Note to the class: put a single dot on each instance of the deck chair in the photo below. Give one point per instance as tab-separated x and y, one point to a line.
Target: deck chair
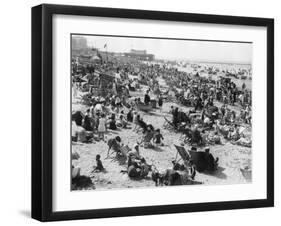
200	159
184	155
124	150
168	124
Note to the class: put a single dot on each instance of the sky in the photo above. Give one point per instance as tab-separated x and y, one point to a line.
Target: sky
178	49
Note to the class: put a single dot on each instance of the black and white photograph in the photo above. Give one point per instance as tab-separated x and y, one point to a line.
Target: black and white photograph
156	112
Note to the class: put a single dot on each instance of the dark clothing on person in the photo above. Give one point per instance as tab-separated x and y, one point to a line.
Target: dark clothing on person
211	162
134	171
160	102
142	124
146	99
112	143
175	117
158	137
196	136
78	118
130	116
99	165
112	125
87	123
192	171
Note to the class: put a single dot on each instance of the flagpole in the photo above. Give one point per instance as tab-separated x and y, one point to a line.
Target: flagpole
106	54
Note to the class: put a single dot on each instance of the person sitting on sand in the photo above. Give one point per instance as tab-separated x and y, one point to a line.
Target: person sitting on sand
212	162
81	135
121	122
196	135
134	170
158	137
176	117
216	138
87	121
135	152
234	133
112	122
99	167
130	115
140	125
137	167
205	137
78	118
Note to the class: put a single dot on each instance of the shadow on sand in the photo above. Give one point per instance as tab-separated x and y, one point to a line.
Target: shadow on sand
218	173
158	149
247	174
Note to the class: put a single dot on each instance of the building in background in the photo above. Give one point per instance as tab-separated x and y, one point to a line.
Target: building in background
79	43
140	55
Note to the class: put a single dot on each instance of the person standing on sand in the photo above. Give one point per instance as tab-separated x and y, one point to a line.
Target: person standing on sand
147	98
87	121
102	127
135	121
160	102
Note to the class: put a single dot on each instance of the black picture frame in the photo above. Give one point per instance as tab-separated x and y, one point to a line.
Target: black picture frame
42	111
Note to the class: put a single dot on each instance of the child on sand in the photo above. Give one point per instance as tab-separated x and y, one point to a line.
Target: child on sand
102	127
158	138
99	167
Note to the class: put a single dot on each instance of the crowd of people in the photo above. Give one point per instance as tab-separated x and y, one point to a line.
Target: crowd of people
211	115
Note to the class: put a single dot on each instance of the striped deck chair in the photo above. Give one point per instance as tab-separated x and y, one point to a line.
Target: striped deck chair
182	152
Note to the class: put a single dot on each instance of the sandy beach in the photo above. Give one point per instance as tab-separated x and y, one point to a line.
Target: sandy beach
233	159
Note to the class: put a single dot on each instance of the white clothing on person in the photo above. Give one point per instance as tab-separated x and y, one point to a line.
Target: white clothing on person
102	125
98	107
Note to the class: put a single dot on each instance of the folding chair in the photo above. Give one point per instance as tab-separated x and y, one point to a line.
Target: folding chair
184	155
168	124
